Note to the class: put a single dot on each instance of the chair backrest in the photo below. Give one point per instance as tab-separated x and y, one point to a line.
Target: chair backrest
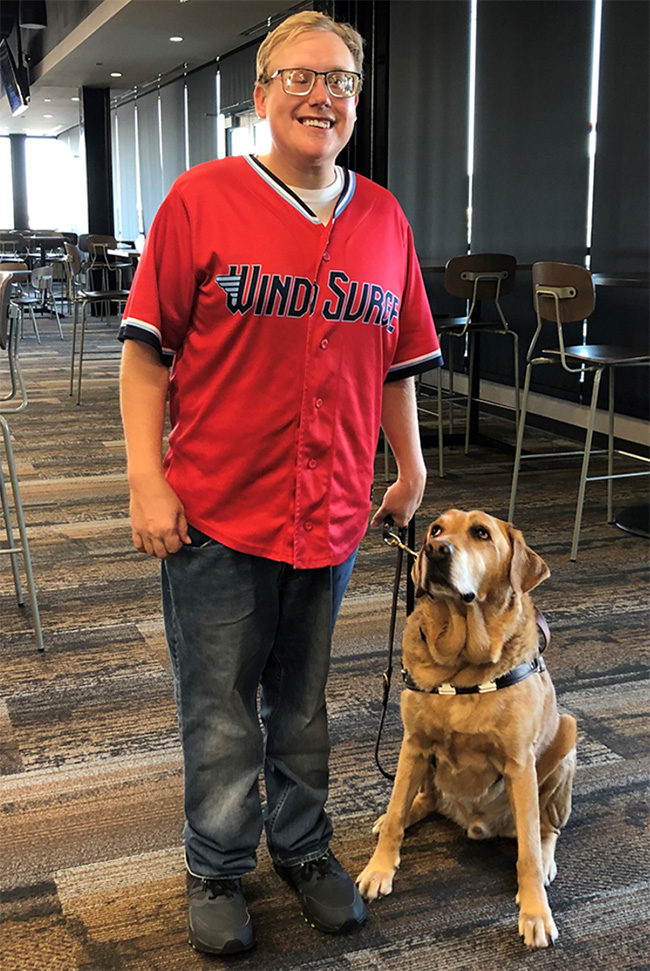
5	290
480	276
97	245
563	292
42	277
74	258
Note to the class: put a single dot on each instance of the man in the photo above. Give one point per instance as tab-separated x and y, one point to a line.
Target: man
287	294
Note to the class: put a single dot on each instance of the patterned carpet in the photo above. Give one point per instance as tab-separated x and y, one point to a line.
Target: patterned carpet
92	872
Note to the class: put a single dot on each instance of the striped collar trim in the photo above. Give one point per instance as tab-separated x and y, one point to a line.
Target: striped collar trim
349	185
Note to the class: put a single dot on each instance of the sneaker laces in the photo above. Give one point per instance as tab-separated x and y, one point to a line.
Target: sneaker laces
322	867
220	887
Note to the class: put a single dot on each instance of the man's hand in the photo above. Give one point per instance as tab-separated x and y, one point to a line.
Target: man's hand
158	523
401	501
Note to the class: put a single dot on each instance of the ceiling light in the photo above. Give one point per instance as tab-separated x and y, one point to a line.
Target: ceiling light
47	100
32	14
116	74
176	40
74	99
48	116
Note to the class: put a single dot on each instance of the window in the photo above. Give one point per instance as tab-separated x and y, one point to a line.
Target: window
56	182
6	196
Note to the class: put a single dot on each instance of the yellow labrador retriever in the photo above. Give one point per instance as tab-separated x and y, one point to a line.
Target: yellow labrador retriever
484	743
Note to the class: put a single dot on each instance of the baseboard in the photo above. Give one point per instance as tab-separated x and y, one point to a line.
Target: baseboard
564	418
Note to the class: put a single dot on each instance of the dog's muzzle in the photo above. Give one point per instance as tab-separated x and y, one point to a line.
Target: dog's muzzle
439	555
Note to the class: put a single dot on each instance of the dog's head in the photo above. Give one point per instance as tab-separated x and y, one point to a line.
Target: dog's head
471	555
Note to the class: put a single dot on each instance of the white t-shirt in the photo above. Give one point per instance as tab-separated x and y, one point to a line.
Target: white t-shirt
322	201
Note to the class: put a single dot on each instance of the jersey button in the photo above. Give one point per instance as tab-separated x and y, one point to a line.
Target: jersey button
312	463
309	526
324	344
319	402
326	256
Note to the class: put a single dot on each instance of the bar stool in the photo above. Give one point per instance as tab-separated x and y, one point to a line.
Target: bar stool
9	342
564	294
83	299
476	278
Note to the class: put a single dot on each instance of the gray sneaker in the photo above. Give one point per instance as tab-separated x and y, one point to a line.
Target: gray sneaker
219	922
330	899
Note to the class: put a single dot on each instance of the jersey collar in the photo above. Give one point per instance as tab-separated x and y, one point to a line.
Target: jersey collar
349	183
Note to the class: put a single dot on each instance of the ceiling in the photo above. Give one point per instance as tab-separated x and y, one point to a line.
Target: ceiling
131	37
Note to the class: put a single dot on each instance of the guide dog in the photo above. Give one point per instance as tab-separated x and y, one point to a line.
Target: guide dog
484	743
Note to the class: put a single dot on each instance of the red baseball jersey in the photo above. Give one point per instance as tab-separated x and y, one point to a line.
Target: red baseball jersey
280	333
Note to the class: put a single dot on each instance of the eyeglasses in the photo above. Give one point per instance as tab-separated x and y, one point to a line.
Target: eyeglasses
300	81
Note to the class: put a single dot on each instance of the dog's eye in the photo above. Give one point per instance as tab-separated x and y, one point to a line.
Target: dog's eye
481	532
436	530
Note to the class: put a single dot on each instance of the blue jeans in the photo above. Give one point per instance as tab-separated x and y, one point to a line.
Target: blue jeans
235	622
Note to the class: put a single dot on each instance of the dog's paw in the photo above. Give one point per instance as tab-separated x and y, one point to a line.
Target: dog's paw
550	872
537	930
375	882
378	824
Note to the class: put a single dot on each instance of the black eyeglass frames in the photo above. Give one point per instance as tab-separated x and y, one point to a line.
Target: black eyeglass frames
301	80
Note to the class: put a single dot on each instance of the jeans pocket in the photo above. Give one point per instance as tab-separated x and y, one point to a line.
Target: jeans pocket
200	540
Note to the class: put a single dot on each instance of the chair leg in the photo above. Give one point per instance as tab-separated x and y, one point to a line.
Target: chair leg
585	464
74	344
450	343
386	458
81	348
22	531
610	449
38	336
441	434
520	442
56	314
515	338
470	378
4	501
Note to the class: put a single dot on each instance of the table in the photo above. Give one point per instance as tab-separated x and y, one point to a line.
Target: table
632	519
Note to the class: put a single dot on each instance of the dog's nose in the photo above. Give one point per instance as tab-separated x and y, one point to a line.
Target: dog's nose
439	550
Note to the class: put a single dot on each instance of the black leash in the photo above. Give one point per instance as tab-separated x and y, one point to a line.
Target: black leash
391	539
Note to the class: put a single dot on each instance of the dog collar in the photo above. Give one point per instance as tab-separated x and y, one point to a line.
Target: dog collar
514	676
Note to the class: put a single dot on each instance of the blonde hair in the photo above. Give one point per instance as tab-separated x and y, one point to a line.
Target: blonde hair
300	23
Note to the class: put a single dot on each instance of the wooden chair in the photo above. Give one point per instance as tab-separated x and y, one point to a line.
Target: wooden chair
9	344
564	294
477	278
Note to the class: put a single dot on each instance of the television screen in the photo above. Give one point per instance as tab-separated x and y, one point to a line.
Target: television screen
14	80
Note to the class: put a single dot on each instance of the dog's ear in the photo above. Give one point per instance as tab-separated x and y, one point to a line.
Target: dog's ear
417	575
527	568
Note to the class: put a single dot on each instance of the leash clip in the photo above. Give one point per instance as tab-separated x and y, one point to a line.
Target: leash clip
392	539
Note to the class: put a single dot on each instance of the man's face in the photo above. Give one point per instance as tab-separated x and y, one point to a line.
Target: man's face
308	131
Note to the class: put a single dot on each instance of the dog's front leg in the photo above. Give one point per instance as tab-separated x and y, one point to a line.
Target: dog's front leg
536	924
377	877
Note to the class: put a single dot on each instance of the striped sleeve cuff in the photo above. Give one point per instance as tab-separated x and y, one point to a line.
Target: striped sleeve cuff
417	365
139	330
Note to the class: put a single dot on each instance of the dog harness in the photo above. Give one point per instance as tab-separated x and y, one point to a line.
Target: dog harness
514	676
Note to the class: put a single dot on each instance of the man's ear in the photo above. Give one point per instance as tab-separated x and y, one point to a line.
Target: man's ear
527	568
259	96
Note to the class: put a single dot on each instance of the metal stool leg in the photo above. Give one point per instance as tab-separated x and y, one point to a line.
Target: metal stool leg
610	449
450	342
24	543
441	434
515	338
36	331
74	344
520	442
585	464
84	304
4	500
470	378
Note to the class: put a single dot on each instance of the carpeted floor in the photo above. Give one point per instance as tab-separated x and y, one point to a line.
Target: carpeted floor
91	875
